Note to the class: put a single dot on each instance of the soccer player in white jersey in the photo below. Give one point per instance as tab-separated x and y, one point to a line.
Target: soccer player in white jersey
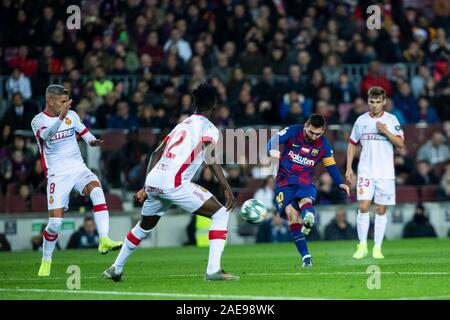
55	129
170	170
378	132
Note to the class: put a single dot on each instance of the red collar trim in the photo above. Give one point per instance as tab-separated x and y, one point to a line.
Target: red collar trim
372	116
48	114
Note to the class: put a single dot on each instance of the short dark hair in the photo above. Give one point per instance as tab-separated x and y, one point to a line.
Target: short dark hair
375	92
55	90
317	120
204	97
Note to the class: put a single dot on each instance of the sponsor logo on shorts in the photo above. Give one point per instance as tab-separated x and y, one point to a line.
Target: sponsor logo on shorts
51	200
361	191
149	189
199	195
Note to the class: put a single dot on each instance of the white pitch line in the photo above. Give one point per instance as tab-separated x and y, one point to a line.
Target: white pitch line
42	279
162	294
200	296
327	273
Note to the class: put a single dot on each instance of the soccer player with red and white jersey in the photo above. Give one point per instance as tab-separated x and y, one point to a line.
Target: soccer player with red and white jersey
378	132
169	173
55	129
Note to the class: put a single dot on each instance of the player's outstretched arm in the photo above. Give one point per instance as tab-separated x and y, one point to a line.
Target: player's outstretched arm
140	196
216	168
273	145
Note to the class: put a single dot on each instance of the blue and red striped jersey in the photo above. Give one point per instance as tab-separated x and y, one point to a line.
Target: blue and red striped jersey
299	157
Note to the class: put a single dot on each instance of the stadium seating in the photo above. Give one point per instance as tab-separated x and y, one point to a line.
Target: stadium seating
407	194
39	203
428	193
114	202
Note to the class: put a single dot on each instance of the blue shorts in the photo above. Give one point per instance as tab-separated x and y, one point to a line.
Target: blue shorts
291	194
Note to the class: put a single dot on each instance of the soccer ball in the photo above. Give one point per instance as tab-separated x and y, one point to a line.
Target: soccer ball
253	211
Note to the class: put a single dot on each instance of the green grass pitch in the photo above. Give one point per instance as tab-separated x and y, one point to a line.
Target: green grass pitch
412	269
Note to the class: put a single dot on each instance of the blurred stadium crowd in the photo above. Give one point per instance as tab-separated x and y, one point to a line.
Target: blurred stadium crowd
132	64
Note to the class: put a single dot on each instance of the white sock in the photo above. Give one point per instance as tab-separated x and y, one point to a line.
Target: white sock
132	241
217	237
50	236
101	214
362	225
380	228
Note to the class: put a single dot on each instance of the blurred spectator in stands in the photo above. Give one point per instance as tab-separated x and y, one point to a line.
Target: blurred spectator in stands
4	243
133	151
419	81
446	130
265	194
426	112
250	117
20	143
235	177
86	237
375	78
122	119
442	100
25	194
223	119
251	60
327	193
102	86
27	65
414	54
389	107
18	82
339	228
406	103
435	150
183	47
222	70
419	226
344	90
359	108
295	114
37	240
312	87
404	165
106	110
331	69
209	182
423	175
444	186
273	229
440	47
37	178
83	112
153	49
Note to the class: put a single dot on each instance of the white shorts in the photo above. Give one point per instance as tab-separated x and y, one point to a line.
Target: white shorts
188	197
381	190
59	188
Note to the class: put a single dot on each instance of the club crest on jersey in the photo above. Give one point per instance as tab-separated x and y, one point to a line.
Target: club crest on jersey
68	121
314	152
300	160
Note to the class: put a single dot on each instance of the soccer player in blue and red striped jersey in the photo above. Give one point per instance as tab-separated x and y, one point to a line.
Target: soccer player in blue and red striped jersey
303	148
